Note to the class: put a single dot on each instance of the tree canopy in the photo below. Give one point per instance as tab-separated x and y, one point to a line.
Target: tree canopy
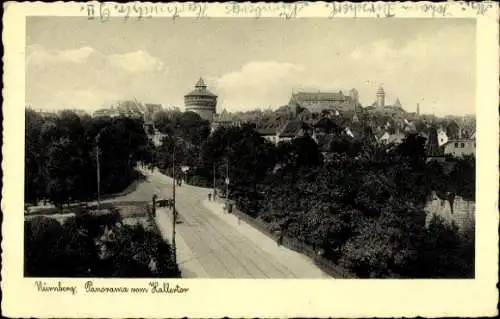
61	161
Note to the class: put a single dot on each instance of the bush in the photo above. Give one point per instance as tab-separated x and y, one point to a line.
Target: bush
445	253
43	248
95	244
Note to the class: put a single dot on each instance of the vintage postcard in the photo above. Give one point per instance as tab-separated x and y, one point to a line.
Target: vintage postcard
199	160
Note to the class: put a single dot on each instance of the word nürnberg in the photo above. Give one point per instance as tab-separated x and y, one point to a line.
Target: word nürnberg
44	287
155	287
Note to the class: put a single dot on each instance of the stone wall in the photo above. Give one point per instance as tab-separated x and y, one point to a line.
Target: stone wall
462	213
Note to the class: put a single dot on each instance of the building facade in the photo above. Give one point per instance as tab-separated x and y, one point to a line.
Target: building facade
225	119
380	106
316	102
380	97
459	148
201	101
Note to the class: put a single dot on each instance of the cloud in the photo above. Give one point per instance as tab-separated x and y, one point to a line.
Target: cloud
86	78
436	70
76	56
38	55
422	70
133	62
257	84
382	49
139	61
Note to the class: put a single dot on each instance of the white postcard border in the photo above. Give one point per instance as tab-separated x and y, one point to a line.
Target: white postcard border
258	298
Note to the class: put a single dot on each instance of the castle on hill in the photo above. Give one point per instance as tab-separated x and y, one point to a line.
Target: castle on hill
317	102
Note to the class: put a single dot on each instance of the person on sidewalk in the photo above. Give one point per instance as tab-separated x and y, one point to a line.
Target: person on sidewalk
209	197
280	238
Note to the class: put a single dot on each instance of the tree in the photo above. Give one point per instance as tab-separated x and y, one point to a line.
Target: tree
245	155
193	128
444	253
66	178
33	168
42	246
166	121
60	160
387	245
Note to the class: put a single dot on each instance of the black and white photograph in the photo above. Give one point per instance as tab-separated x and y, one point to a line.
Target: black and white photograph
262	160
244	148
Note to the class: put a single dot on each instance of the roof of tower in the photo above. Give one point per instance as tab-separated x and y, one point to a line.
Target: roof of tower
200	89
224	116
200	83
380	90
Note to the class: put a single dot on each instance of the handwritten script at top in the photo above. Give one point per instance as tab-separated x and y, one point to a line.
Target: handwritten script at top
138	11
387	9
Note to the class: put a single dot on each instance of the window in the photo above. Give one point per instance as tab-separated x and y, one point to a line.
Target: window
462	145
456	144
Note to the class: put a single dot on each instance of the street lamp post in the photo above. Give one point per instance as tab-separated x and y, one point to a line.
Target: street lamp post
174	212
98	170
227	185
214	178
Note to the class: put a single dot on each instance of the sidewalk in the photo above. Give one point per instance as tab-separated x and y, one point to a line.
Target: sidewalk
294	260
190	267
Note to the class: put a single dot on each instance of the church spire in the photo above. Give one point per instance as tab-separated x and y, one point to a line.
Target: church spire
355	118
397	103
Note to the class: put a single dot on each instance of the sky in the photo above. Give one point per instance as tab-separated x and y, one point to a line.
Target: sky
72	62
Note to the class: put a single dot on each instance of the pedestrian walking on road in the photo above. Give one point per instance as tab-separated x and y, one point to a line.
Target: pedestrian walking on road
280	238
209	197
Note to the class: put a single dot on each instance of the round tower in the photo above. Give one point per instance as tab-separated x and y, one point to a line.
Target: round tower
201	101
380	97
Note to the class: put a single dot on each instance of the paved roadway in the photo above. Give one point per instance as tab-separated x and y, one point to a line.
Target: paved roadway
212	244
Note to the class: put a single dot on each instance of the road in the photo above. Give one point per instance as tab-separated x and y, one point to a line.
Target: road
213	244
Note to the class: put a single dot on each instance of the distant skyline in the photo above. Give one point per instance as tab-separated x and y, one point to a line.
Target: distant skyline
249	63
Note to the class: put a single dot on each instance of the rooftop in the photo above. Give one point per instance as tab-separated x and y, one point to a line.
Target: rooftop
293	128
200	89
318	96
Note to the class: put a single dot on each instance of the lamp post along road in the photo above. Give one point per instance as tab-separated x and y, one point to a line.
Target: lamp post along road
227	185
98	170
214	178
174	212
